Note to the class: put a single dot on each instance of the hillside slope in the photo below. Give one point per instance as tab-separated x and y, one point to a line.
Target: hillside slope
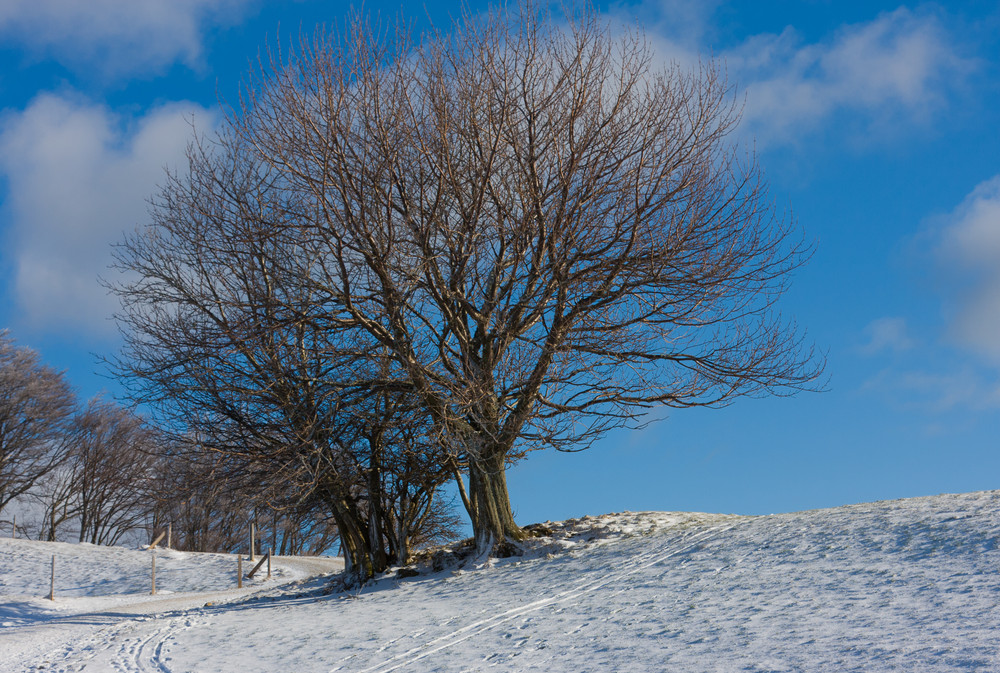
891	586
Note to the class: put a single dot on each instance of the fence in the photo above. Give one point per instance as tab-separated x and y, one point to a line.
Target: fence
266	558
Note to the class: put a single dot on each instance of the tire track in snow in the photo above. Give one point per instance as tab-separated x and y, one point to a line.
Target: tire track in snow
635	564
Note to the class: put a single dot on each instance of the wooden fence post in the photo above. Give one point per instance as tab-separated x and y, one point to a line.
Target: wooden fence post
252	531
153	591
52	584
239	571
13	527
267	558
157	540
274	529
170	535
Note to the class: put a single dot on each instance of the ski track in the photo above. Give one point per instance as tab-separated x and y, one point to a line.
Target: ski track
633	565
147	656
143	653
128	652
123	646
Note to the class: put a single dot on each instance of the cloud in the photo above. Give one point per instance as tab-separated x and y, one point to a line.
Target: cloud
117	37
897	67
676	30
886	334
937	392
686	23
969	249
77	177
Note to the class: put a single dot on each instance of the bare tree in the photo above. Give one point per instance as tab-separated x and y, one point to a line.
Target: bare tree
36	407
112	459
56	494
103	485
523	225
217	342
206	510
548	234
404	468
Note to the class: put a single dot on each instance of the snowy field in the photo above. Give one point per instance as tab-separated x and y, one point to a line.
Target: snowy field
909	585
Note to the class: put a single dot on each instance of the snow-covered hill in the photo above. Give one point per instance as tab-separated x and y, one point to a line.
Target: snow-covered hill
892	586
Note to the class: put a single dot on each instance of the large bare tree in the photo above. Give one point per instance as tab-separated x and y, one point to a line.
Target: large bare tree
523	223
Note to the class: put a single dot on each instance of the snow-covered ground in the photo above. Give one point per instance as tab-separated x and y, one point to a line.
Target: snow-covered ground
98	587
893	586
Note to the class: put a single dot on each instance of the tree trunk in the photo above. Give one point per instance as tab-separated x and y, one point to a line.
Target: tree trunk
359	558
376	547
354	542
492	518
403	530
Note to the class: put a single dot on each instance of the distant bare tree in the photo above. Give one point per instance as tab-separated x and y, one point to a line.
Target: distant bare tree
209	507
522	228
56	494
207	512
112	458
36	408
102	487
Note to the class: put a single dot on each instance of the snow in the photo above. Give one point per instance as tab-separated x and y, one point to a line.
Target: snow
891	586
98	587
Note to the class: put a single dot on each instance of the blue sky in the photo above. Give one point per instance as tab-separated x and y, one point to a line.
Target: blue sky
878	125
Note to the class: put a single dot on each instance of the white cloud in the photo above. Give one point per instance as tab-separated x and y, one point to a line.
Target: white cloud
970	250
886	334
115	37
76	180
676	30
899	66
687	24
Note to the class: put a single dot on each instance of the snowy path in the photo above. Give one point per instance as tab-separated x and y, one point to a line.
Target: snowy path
896	586
74	632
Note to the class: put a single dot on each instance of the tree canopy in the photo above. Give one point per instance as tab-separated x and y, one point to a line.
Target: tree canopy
519	233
